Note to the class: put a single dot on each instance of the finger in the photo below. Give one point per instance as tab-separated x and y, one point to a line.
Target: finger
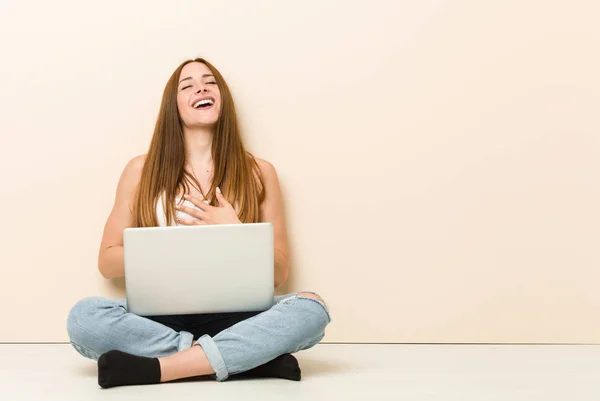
191	211
199	203
190	222
221	199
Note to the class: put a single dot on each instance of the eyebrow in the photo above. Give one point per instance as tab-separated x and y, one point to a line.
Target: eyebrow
203	76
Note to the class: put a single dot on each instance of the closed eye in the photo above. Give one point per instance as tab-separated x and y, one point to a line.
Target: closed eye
185	87
211	83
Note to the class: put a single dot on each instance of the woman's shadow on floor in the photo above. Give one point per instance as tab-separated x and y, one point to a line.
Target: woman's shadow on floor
89	370
312	366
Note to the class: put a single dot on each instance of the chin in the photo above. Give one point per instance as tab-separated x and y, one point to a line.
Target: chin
209	123
202	124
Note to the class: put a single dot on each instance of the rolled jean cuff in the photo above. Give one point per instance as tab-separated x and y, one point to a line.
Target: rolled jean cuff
186	340
214	357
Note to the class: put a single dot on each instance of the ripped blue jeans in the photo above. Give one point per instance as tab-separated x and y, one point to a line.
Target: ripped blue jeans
295	322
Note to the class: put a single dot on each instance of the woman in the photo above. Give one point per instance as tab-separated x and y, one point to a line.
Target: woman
196	172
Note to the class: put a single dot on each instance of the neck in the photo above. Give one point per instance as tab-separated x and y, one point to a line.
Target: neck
198	145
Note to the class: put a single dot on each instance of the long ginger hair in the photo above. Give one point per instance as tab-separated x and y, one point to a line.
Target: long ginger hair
236	172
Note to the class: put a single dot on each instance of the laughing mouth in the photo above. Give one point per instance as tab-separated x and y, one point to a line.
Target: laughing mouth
203	103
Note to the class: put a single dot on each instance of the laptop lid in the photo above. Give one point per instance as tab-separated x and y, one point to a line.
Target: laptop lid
199	269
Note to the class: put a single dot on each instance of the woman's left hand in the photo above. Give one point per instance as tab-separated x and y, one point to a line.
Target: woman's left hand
222	214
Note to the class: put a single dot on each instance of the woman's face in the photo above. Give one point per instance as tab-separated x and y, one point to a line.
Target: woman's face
198	96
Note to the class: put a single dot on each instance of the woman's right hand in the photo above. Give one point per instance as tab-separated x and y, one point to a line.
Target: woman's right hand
205	214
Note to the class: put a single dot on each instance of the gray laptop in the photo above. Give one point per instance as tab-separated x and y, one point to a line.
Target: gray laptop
199	269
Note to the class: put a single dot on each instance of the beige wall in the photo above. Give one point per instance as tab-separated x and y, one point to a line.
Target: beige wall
439	158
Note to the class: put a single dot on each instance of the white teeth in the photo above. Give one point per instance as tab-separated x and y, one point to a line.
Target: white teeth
202	102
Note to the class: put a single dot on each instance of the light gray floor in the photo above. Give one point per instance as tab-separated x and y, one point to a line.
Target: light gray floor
335	372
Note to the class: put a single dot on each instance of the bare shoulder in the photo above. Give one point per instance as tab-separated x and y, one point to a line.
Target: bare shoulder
130	177
135	165
267	169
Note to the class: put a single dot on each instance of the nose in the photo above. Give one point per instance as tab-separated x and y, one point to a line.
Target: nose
202	88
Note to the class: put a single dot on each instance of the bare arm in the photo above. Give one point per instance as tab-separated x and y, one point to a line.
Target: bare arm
110	257
272	212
